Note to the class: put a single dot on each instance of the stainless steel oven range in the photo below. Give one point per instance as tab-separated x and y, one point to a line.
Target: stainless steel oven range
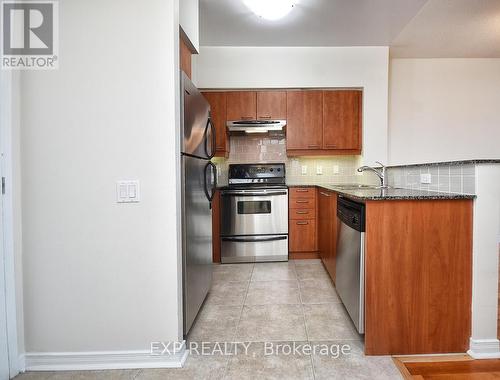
254	214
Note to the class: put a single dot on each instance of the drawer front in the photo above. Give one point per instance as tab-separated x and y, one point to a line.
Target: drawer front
302	214
302	203
303	236
302	192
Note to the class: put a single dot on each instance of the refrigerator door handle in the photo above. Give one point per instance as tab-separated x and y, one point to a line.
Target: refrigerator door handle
210	192
254	239
213	148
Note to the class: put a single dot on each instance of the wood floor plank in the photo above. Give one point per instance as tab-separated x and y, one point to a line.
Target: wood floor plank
456	367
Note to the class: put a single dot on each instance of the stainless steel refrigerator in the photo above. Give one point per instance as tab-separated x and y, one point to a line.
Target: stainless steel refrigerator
198	188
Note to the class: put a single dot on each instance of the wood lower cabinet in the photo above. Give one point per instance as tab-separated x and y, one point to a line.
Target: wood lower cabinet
302	226
217	101
241	105
327	229
418	282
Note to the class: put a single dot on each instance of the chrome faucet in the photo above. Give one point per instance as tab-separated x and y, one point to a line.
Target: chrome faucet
379	172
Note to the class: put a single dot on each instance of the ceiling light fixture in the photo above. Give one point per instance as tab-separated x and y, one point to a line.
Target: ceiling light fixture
270	9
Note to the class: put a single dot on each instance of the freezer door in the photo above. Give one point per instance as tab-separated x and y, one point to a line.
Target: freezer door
197	132
197	238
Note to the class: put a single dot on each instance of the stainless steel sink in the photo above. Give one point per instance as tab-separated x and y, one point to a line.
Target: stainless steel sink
359	187
356	187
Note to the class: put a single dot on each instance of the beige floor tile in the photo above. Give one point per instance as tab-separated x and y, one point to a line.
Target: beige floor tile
273	271
215	323
232	272
307	262
318	290
355	365
80	375
196	367
329	322
259	364
227	293
273	293
270	323
311	271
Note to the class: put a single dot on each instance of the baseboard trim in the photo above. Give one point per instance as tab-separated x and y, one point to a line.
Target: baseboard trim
484	348
100	360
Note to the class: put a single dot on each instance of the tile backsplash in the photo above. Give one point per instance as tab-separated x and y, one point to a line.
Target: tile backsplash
269	149
446	177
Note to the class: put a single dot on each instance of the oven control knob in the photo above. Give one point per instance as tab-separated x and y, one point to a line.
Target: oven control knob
279	169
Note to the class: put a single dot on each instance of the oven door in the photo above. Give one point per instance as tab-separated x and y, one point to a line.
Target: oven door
254	212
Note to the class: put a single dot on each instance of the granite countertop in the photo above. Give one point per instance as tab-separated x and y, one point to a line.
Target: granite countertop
370	194
451	163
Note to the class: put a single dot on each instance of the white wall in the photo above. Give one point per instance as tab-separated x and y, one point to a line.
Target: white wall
443	109
190	21
100	275
484	342
295	67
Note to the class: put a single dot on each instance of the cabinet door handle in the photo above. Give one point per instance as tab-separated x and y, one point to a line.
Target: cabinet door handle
264	117
302	223
302	190
325	194
302	212
300	201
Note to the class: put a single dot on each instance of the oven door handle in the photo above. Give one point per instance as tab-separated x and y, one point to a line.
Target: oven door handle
253	193
254	239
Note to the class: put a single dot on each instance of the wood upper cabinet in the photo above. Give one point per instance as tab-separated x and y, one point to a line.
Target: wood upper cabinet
241	105
342	119
271	105
217	101
327	229
304	120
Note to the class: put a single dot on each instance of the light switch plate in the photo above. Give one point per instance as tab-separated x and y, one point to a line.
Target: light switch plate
127	191
319	170
304	169
425	178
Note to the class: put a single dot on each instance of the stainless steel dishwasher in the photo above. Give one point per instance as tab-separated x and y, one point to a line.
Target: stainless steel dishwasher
350	263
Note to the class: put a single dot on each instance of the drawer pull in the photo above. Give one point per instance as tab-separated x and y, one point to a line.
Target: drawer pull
264	117
302	223
331	146
246	118
325	194
301	201
302	212
313	146
302	190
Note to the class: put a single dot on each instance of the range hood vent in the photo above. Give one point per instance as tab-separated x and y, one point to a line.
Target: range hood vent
256	126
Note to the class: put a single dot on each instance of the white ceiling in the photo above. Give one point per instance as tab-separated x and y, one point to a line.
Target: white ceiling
310	23
413	28
452	28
